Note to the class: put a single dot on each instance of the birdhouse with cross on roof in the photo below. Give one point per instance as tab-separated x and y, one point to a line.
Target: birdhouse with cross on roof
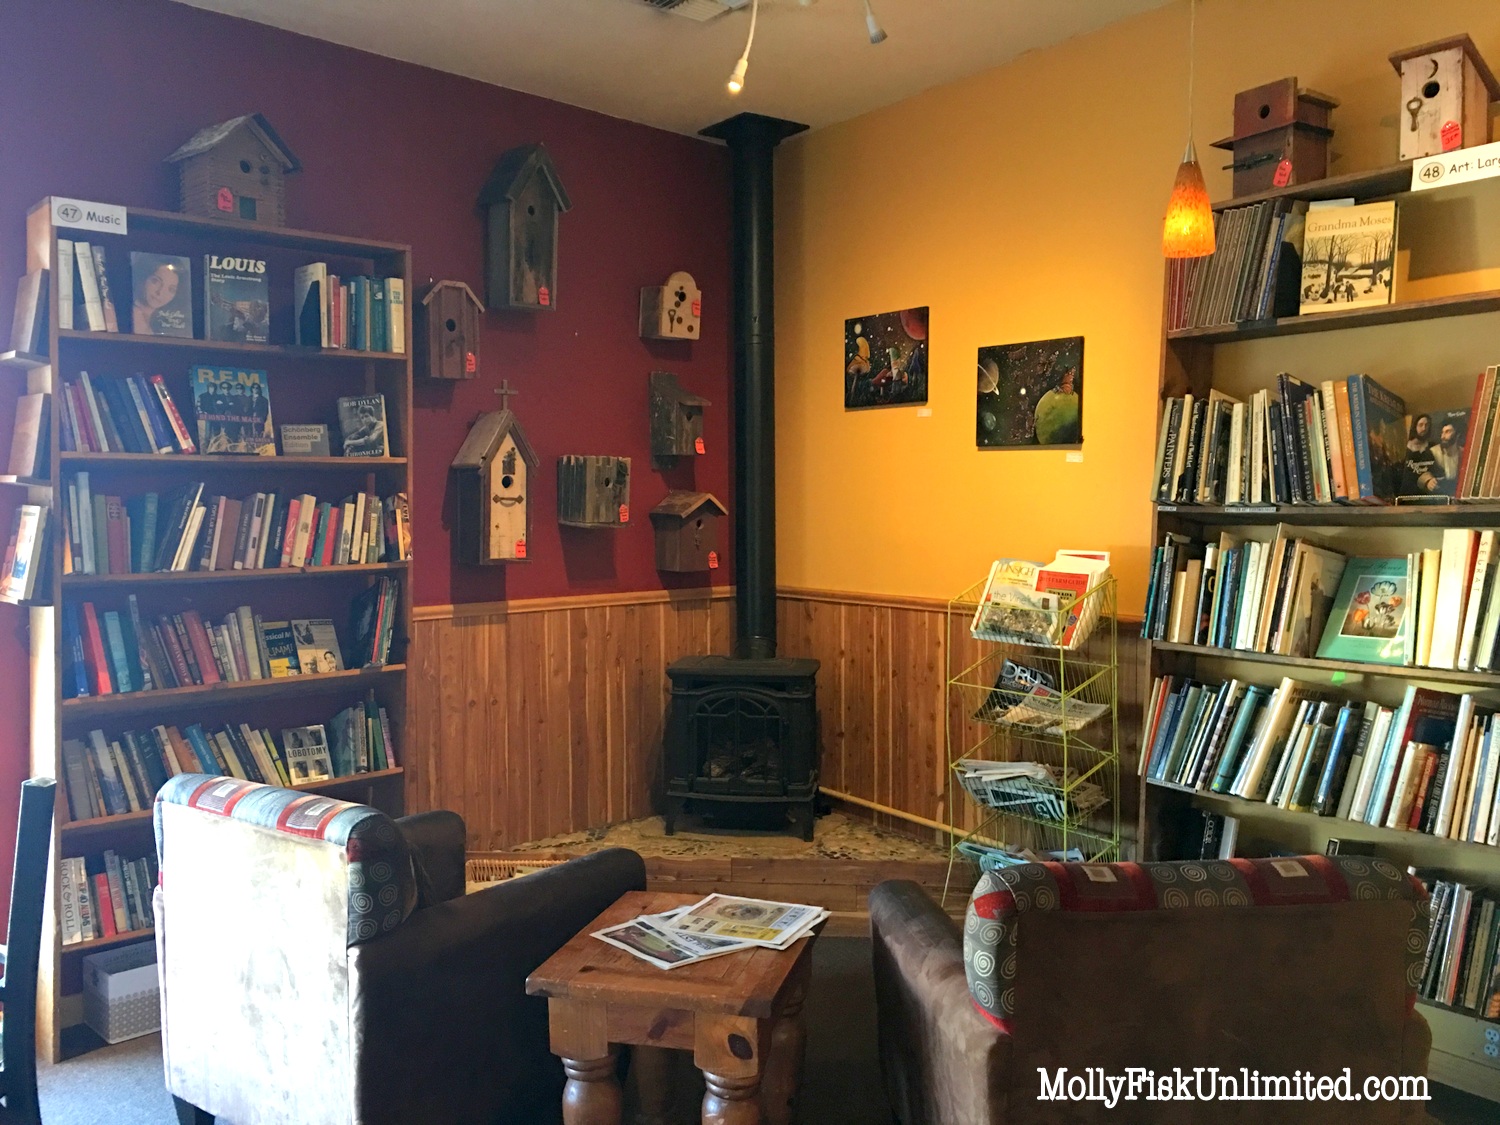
1446	91
522	200
447	331
491	476
235	170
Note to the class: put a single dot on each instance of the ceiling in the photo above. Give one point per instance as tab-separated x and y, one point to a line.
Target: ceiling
812	63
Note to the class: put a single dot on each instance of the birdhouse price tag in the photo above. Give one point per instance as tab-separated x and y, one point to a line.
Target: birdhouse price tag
713	560
543	297
1478	163
1452	135
520	548
471	365
624	513
1283	174
698	446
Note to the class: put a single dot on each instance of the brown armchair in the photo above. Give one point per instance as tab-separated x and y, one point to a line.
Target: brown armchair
1276	966
320	964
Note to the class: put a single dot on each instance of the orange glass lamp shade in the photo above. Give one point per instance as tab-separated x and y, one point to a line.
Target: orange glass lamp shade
1188	231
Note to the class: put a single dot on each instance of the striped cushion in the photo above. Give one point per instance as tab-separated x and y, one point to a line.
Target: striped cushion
1001	897
382	887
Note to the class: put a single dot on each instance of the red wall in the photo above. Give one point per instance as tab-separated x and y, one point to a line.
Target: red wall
96	93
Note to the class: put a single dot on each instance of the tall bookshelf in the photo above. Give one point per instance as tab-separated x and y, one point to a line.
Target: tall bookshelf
305	383
1198	360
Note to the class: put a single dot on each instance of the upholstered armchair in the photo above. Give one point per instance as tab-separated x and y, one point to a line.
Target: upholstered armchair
320	964
1279	966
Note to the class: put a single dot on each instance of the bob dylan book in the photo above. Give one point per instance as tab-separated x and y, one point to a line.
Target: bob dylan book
1030	394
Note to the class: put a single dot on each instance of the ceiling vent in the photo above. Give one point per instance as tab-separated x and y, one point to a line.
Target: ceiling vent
700	10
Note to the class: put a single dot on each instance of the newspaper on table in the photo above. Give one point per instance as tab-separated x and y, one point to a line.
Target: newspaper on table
718	925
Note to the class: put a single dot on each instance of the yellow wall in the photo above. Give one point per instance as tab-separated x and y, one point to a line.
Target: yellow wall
1023	204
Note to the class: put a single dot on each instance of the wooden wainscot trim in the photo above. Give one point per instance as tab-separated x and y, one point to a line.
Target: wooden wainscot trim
575	601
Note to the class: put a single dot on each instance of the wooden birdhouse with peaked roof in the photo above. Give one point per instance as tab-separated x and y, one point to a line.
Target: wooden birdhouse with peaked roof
492	477
447	331
673	311
687	531
235	170
676	418
522	200
1446	91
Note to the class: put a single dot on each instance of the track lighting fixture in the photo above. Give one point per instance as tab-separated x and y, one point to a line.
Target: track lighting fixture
877	33
737	76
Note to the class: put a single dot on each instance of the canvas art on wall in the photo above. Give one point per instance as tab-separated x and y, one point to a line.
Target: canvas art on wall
1031	394
885	359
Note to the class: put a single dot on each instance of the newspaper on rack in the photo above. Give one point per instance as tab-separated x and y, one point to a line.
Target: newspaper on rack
1043	710
1030	788
718	925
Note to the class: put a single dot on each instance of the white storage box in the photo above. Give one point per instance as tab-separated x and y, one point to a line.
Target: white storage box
121	992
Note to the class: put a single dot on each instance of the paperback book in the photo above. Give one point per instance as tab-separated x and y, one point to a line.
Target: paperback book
362	424
162	294
236	299
234	411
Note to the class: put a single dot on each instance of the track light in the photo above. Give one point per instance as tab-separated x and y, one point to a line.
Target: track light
877	33
737	76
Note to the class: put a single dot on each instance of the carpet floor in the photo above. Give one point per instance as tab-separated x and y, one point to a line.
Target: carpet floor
122	1085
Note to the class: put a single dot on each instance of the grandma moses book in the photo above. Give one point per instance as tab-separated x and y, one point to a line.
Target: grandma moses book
1348	257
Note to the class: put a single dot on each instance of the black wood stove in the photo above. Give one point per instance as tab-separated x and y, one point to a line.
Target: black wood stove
743	729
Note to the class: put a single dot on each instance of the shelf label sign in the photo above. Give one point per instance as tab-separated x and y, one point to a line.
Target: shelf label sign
1478	163
83	215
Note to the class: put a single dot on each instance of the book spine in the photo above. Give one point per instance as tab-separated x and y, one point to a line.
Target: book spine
180	431
1361	439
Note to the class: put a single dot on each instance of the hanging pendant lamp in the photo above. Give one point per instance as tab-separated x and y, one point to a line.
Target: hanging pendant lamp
1188	230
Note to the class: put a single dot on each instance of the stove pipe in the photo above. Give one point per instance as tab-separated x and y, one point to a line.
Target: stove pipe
752	141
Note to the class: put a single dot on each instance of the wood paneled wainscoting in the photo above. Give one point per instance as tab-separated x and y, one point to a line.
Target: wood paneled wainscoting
540	717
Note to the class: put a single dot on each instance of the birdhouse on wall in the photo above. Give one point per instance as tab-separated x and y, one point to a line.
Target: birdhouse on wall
676	418
1446	91
522	200
447	331
672	311
235	170
1281	135
593	491
491	472
687	531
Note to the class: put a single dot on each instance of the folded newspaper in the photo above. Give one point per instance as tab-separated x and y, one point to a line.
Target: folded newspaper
1039	604
718	925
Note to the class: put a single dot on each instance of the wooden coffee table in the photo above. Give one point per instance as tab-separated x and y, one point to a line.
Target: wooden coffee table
740	1015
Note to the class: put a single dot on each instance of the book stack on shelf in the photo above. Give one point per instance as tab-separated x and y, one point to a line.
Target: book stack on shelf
147	442
103	897
1461	967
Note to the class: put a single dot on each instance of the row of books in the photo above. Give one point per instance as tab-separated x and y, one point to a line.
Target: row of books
265	530
119	652
1461	967
365	314
103	896
1437	607
27	555
1429	765
114	776
1239	280
122	414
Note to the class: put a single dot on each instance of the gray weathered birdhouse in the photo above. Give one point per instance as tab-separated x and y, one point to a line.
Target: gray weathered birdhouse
235	170
687	531
1446	91
493	518
593	491
447	331
522	200
676	418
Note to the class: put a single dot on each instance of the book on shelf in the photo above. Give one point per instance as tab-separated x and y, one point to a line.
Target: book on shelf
233	408
1425	765
104	896
25	569
121	414
28	329
362	425
1252	274
317	646
1461	962
360	313
1188	832
1349	256
306	754
1371	618
236	299
161	293
304	440
30	443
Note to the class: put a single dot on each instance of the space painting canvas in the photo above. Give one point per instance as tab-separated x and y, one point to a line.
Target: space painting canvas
1030	394
885	359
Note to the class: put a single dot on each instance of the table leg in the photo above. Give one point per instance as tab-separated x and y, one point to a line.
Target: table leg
784	1059
731	1101
730	1051
592	1095
652	1067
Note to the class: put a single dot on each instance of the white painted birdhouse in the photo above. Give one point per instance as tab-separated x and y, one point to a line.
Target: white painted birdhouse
672	311
1446	91
492	469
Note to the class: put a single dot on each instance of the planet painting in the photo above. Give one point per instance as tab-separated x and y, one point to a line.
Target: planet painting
885	359
1030	394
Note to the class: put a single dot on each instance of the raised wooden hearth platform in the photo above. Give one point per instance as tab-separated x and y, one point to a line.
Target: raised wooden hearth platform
836	870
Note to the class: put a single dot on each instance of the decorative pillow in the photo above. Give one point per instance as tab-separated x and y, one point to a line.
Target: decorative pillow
382	886
1001	897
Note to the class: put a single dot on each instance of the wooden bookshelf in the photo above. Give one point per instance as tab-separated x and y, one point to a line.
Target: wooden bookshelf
1477	513
291	700
94	945
1478	681
1401	312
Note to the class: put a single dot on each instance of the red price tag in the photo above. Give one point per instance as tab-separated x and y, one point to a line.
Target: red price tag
624	513
697	308
1452	135
1283	174
520	548
543	297
713	560
225	199
698	445
471	364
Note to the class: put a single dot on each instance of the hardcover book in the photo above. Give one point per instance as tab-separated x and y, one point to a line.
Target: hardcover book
234	411
362	423
1370	613
1348	257
162	294
317	645
299	440
1434	453
236	299
306	752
